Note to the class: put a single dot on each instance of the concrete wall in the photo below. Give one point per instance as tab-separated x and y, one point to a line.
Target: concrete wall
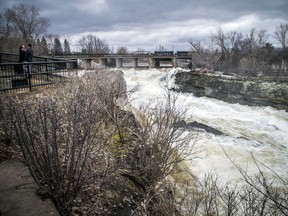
153	62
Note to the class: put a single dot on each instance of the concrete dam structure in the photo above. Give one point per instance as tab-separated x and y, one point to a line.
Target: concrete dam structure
151	60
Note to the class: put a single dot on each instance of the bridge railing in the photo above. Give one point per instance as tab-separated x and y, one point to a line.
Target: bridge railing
16	76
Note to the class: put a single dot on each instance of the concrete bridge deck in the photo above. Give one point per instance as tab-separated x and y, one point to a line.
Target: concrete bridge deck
167	59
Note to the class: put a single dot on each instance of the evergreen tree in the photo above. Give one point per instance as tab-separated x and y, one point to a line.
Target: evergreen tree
44	46
58	47
66	48
38	45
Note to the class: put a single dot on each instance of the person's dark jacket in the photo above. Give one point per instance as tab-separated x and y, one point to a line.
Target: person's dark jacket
19	68
22	54
29	55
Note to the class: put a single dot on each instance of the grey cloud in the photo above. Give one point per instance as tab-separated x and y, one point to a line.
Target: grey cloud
161	21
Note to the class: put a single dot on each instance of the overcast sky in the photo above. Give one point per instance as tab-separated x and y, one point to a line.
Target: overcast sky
147	24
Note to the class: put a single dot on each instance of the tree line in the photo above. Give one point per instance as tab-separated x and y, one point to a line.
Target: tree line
246	51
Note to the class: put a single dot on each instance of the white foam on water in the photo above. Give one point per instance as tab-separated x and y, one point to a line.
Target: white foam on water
261	131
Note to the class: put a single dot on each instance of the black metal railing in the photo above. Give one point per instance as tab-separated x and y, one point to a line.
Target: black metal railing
16	76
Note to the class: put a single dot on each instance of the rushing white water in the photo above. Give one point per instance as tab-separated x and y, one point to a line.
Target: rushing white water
261	131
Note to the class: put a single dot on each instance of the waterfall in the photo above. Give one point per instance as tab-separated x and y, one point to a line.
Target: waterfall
248	130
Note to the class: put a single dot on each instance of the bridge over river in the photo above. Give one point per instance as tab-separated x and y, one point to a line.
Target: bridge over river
151	60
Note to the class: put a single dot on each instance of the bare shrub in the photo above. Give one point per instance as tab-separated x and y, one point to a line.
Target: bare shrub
259	194
63	140
55	142
264	194
154	152
6	127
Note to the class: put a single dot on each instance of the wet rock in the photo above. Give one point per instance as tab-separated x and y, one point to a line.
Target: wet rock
252	91
198	125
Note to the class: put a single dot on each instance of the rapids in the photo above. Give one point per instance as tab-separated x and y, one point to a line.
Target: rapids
261	131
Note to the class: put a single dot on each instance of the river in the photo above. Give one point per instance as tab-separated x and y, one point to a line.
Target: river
261	131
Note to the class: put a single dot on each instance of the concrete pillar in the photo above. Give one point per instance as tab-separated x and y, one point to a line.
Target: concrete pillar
119	62
111	62
157	63
151	62
174	62
135	62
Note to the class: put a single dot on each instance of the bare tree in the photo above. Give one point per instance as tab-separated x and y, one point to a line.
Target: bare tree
249	52
160	48
254	54
27	22
221	41
5	23
281	35
262	37
205	55
122	50
90	44
9	40
50	39
234	40
229	44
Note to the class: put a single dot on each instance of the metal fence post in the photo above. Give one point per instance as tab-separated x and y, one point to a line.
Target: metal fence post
29	82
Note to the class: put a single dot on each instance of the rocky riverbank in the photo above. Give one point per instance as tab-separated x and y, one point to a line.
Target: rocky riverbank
252	91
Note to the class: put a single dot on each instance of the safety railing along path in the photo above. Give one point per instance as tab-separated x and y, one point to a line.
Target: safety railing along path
15	77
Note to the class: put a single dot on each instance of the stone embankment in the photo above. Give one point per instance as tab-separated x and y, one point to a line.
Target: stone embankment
252	91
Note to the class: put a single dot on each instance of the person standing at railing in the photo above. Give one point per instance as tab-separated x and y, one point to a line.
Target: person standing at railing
29	57
22	52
